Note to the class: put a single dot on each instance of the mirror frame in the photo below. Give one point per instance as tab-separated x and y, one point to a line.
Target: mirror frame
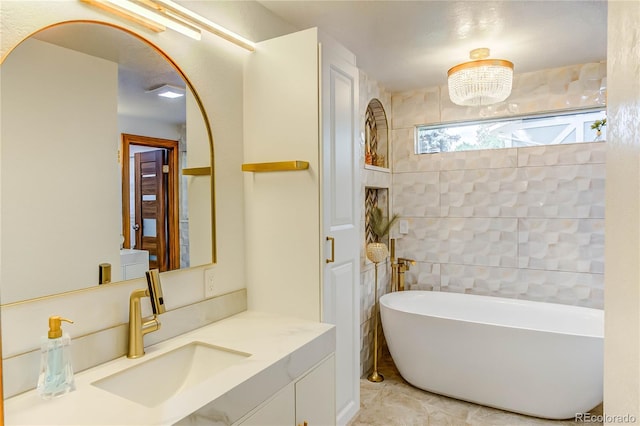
198	101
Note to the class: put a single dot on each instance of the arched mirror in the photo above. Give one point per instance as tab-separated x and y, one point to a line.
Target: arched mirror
102	178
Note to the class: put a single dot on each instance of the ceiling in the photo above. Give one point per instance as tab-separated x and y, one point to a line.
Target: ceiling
404	45
407	45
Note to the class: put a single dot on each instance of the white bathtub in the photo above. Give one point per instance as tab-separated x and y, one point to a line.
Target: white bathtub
539	359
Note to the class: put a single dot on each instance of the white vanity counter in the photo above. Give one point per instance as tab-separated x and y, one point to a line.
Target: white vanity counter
281	349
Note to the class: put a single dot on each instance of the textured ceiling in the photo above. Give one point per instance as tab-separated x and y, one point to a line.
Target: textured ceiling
411	44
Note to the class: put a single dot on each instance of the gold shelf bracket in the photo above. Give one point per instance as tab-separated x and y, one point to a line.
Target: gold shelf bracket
278	166
197	171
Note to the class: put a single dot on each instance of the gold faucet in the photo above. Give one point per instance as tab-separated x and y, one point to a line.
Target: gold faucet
138	326
398	267
403	266
394	265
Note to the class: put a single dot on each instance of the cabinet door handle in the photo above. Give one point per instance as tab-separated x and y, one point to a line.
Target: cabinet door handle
333	249
303	424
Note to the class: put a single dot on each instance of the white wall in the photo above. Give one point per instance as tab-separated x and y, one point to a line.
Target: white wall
47	124
622	250
148	127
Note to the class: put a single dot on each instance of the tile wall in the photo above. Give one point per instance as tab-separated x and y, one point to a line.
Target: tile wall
508	228
525	223
521	222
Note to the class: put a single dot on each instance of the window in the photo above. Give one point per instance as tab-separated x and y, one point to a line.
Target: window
510	132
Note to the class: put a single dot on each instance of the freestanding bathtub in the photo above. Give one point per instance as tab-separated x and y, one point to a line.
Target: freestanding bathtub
534	358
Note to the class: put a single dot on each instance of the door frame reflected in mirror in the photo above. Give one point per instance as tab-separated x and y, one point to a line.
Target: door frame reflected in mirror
169	248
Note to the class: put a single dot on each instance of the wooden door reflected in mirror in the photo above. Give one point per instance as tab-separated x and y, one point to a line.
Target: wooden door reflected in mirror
150	200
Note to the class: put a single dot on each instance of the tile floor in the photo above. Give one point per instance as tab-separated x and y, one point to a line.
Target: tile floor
394	402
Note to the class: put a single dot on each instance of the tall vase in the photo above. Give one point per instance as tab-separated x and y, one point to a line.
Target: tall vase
376	252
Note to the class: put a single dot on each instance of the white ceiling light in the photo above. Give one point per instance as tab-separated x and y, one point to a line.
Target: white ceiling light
168	91
481	81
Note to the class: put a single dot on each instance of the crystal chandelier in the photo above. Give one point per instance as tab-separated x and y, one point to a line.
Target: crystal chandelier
480	81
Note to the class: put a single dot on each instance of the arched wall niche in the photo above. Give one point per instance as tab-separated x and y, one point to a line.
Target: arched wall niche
376	135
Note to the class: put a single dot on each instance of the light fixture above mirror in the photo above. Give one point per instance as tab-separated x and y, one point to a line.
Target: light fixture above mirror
157	15
480	81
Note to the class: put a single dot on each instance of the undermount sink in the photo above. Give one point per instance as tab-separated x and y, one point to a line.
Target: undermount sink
154	381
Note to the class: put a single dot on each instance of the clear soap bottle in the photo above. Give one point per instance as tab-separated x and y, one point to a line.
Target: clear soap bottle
56	372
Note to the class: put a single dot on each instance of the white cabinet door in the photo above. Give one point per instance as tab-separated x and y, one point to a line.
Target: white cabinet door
310	400
279	411
315	396
341	218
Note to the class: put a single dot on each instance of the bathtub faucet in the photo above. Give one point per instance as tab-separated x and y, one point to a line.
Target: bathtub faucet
403	266
398	268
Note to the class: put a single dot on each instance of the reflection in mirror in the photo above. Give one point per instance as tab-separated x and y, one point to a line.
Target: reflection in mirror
80	121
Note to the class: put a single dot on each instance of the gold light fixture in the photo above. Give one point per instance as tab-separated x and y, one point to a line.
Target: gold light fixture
157	15
179	12
137	12
480	81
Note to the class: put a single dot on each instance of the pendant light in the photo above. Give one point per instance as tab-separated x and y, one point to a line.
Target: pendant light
480	81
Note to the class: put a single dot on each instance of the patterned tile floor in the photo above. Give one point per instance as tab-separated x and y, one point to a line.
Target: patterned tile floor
394	402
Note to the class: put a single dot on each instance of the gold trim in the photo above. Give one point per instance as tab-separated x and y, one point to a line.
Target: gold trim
123	13
480	63
374	376
196	171
1	382
279	166
228	37
176	20
333	250
169	8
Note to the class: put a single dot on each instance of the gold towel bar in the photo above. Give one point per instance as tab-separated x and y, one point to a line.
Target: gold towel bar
197	171
279	166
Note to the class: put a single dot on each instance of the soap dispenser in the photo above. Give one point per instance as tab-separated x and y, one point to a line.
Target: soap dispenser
56	372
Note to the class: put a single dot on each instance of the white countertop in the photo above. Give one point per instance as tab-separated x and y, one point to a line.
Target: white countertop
281	350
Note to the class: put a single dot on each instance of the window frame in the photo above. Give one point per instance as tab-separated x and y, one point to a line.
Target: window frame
527	121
